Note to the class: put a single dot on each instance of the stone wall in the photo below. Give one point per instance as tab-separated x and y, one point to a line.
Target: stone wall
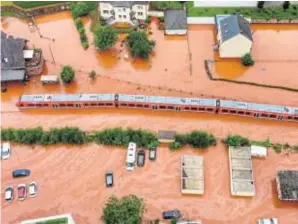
38	10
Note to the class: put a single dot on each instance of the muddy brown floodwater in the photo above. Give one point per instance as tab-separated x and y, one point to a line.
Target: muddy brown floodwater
71	178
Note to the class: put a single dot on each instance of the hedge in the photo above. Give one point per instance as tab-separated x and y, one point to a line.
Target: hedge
206	62
33	4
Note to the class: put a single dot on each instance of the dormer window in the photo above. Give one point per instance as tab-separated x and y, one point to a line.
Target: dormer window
4	60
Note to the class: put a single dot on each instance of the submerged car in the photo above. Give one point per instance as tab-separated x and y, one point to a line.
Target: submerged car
109	179
268	221
32	189
173	214
20	173
22	192
141	158
5	150
9	193
152	154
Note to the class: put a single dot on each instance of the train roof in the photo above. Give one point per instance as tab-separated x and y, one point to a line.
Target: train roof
67	97
233	104
34	98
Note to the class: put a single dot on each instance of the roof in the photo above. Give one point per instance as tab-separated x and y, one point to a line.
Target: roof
259	151
12	75
126	4
166	135
231	26
288	185
12	52
175	19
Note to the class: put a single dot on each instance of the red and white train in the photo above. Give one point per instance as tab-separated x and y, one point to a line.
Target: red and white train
159	103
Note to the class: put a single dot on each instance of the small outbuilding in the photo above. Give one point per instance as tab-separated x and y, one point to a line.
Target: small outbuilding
234	36
175	22
258	151
287	185
166	136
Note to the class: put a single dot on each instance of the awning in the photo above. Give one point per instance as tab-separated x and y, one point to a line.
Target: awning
28	54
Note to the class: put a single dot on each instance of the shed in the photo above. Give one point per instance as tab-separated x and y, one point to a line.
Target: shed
175	22
49	79
234	36
287	185
166	136
258	151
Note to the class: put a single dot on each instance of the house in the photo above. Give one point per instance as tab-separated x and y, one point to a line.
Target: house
234	36
17	61
175	22
124	11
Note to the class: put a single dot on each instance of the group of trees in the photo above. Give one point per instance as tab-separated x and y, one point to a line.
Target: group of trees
138	43
196	139
120	137
236	141
163	5
67	74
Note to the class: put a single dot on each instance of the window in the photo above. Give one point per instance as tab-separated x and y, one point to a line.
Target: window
93	104
45	105
233	111
146	106
124	16
170	107
140	7
109	104
139	105
247	113
272	116
140	13
240	112
124	9
225	111
123	104
162	107
101	104
131	105
120	16
105	11
209	109
69	105
201	109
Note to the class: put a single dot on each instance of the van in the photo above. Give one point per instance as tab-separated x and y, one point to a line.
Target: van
20	173
131	156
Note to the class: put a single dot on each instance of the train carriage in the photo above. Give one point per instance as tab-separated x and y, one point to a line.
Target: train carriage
132	101
234	108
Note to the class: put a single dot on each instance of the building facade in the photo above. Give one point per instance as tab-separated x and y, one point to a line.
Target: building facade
123	12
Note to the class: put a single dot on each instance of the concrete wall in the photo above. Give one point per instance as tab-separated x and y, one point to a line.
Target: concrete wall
175	32
207	3
200	20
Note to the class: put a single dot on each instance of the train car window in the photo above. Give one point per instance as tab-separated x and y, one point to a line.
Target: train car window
139	105
146	106
194	108
296	118
225	111
272	116
86	104
186	108
123	104
233	111
240	112
93	104
131	105
39	105
30	105
290	118
209	109
264	115
162	107
101	104
170	107
247	113
69	105
201	109
21	105
45	105
109	104
62	105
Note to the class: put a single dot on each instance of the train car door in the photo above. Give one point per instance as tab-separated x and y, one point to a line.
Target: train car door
280	117
78	105
256	115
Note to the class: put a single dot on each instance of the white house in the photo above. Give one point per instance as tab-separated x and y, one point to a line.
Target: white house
123	11
234	36
175	22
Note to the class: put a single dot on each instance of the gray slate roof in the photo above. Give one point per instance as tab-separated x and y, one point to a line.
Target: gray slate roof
233	25
12	75
175	19
12	52
126	4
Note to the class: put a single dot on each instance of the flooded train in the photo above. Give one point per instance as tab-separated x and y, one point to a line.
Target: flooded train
198	105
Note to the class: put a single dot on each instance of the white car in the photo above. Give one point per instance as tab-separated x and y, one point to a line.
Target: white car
268	221
5	150
22	193
9	193
32	189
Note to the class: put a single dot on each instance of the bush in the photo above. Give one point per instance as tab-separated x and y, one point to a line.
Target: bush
85	45
131	210
175	145
105	37
148	19
236	141
79	23
82	30
83	37
201	139
150	33
79	9
277	148
153	144
247	60
139	45
67	74
161	19
92	74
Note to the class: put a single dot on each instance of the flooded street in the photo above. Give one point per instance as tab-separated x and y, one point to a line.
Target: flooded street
71	178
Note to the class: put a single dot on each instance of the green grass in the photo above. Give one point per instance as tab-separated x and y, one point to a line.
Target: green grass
6	3
32	4
56	221
11	14
275	12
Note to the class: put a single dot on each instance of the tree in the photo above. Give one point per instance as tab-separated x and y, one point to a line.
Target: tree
92	74
139	45
236	141
201	139
247	60
286	5
163	5
105	37
127	210
261	4
67	74
79	9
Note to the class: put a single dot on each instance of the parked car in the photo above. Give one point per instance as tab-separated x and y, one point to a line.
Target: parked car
32	189
5	150
172	214
268	221
152	154
141	158
21	173
9	193
22	193
109	179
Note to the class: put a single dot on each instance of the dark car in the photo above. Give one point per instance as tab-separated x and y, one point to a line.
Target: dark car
109	179
21	173
152	154
172	214
141	158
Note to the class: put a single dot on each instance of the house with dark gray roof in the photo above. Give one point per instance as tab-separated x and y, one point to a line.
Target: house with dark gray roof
175	22
12	60
123	11
234	36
